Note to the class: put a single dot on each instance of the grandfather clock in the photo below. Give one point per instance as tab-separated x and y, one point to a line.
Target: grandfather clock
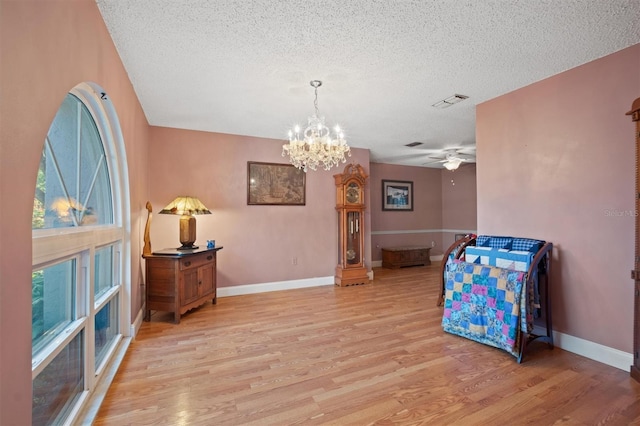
350	207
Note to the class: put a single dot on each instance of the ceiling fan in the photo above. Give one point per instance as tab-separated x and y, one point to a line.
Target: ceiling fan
430	157
452	158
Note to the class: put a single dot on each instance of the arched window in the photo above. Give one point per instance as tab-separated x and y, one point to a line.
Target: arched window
80	254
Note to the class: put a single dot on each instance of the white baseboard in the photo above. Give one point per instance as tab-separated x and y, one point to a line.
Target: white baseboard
137	323
436	258
274	286
594	351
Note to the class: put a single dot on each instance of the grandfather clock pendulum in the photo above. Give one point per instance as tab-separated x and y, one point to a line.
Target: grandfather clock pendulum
350	206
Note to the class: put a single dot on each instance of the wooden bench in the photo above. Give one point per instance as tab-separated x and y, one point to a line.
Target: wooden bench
397	257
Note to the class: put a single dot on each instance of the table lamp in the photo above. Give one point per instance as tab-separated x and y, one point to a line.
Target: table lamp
187	207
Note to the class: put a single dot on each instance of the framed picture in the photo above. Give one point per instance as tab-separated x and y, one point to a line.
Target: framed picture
397	195
275	184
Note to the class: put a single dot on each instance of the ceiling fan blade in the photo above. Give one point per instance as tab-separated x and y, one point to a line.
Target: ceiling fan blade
470	150
434	162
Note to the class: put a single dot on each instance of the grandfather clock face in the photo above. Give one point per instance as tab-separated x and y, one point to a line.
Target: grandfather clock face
352	194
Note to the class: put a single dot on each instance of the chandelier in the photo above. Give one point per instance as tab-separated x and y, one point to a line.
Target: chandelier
315	146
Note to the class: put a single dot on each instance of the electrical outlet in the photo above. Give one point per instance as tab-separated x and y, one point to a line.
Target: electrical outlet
433	243
294	261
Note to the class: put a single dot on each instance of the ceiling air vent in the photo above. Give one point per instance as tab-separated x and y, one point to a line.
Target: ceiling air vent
412	144
446	103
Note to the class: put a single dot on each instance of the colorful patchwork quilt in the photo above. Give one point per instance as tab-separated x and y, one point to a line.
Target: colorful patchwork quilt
482	303
519	260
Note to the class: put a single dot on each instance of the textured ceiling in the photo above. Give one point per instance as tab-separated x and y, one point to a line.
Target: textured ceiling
243	67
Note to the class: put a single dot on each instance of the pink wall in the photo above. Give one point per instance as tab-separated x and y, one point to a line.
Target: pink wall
556	161
418	227
459	209
570	129
259	241
441	208
48	47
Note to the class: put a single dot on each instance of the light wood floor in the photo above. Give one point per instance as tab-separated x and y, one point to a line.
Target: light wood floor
370	354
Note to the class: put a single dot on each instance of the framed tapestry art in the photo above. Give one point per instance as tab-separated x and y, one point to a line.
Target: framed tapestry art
275	184
397	195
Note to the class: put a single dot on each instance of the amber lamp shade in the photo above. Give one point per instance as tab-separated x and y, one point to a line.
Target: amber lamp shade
186	207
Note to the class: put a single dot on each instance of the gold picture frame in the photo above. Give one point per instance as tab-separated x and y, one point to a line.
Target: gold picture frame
273	184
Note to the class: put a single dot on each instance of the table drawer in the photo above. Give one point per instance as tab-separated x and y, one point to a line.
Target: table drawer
196	261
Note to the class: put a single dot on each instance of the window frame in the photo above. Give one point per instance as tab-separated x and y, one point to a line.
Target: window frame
54	245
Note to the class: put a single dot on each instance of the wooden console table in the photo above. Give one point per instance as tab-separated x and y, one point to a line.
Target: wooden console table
397	257
180	280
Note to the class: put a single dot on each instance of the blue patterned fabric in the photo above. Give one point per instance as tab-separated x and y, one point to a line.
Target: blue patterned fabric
494	242
509	259
500	242
481	240
482	303
526	244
